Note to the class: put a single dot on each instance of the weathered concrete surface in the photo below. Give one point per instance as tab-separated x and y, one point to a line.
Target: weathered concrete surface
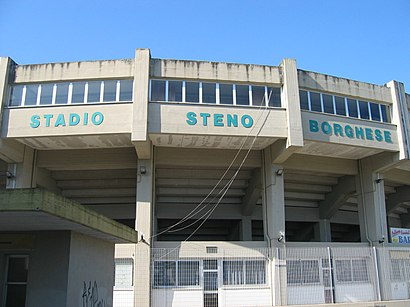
403	303
32	203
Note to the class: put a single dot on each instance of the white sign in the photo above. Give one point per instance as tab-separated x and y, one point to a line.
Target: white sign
400	235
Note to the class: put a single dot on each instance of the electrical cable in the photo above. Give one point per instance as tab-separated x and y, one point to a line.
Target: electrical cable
193	211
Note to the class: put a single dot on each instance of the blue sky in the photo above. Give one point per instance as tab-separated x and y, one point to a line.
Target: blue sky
358	39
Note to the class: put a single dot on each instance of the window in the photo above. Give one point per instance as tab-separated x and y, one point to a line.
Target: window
16	95
110	90
16	282
385	115
364	109
315	102
304	101
302	271
188	273
46	96
328	104
175	91
396	270
157	90
375	111
242	95
124	270
352	108
258	96
126	88
274	97
62	93
340	105
351	270
208	92
181	273
94	89
31	95
244	272
191	91
78	92
226	93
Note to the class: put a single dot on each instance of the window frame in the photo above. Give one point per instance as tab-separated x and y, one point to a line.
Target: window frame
176	274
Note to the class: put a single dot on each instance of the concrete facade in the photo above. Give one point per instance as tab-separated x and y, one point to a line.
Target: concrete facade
201	156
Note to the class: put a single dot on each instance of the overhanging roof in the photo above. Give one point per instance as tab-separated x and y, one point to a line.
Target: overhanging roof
40	210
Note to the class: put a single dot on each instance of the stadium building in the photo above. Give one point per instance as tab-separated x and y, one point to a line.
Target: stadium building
155	182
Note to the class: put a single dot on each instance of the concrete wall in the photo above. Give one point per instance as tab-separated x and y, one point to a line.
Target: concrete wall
325	83
74	71
66	269
215	71
48	270
91	272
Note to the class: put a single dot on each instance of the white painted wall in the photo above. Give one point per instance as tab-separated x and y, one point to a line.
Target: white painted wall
306	294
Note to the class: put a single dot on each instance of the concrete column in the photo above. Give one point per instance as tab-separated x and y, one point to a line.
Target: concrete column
400	117
274	224
371	202
24	173
291	101
143	224
139	135
274	200
322	231
11	151
246	228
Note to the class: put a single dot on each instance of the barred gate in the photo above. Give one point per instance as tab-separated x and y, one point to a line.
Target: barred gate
212	278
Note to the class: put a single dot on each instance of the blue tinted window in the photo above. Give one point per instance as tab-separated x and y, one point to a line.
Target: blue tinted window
16	95
242	95
175	91
94	89
225	93
110	91
315	102
375	111
192	91
340	105
126	90
209	92
274	97
78	92
328	104
364	109
385	114
258	95
46	96
31	95
157	90
352	108
304	101
62	93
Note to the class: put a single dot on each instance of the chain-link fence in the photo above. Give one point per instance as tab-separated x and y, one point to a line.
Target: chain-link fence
217	277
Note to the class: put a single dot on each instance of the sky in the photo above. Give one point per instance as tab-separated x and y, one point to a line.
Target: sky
365	40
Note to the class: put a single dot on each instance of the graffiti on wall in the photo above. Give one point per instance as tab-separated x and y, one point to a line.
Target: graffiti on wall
90	295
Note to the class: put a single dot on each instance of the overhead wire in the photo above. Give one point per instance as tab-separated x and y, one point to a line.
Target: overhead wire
226	187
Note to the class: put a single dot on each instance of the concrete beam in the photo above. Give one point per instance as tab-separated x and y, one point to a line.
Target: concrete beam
394	200
398	176
87	159
178	157
335	199
329	165
280	152
253	192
